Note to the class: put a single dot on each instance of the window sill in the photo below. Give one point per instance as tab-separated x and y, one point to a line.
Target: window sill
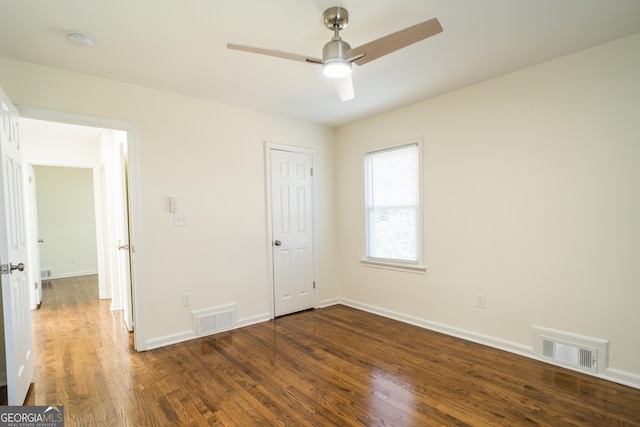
410	268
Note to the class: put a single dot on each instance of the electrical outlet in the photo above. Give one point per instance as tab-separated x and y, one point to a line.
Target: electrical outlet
481	301
186	299
180	220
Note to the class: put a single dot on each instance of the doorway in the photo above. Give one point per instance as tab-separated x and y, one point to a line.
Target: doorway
64	224
104	150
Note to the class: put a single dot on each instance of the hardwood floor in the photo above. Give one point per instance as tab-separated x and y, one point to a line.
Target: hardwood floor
334	366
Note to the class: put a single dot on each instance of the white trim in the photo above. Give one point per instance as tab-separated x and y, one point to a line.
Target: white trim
72	274
72	118
268	147
253	320
281	147
98	196
171	339
184	336
411	268
621	377
103	292
408	143
64	164
329	302
135	210
614	375
500	344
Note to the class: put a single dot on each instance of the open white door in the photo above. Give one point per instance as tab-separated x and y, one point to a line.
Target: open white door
33	238
13	255
292	230
125	251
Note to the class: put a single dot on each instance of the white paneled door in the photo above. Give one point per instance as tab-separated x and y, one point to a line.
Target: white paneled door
292	231
13	256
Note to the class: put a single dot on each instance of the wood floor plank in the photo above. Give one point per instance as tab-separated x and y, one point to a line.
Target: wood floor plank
334	366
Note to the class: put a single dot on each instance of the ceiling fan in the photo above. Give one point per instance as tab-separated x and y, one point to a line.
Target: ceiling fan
338	56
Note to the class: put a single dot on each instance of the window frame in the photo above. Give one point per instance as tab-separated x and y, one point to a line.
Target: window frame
393	264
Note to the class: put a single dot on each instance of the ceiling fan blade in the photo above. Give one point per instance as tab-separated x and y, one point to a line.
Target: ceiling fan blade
273	52
344	87
398	40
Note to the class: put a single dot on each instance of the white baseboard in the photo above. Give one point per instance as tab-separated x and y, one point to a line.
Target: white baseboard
191	334
500	344
248	321
621	377
614	375
73	274
159	342
329	302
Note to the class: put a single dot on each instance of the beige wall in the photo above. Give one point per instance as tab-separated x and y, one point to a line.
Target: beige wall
66	220
210	156
531	197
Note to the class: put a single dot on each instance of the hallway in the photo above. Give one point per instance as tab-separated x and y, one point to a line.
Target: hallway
83	353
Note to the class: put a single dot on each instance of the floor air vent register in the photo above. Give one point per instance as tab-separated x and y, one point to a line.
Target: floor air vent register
571	350
209	321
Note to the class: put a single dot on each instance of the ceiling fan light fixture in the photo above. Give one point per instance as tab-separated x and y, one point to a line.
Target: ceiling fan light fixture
335	61
337	68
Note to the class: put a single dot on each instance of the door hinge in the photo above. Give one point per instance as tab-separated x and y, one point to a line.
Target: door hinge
311	171
314	284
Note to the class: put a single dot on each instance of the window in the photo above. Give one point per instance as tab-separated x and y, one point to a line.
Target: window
392	205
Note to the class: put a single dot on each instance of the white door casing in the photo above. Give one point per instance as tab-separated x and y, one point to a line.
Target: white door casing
133	204
13	253
292	231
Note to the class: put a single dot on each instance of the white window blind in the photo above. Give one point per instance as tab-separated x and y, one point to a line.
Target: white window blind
392	204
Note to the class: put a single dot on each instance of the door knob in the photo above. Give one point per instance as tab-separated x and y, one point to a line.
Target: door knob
277	243
125	247
13	267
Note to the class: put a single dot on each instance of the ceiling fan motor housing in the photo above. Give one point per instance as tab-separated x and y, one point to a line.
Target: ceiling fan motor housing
335	50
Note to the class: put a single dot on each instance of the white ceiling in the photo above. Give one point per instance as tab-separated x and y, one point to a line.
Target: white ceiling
180	46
